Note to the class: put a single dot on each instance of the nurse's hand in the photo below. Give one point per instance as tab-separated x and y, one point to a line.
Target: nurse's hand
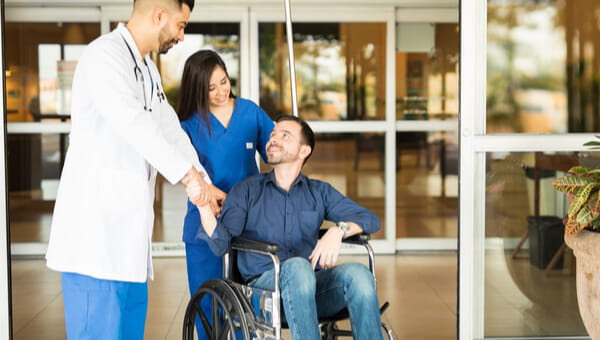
219	197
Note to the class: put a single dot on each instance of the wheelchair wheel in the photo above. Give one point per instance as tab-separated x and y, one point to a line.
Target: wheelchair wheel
227	319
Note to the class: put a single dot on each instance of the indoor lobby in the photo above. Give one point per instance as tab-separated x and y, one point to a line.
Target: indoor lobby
448	119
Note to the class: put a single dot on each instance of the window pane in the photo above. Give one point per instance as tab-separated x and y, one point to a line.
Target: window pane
525	294
543	66
340	70
427	71
40	66
427	184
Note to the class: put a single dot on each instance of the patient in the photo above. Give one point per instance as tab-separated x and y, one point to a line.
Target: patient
287	208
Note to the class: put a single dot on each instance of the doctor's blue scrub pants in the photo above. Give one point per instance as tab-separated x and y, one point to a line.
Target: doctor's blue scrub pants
202	265
104	309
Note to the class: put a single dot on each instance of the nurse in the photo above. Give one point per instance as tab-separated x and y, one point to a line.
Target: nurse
122	132
226	131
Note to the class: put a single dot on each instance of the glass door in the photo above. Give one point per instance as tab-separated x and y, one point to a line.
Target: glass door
426	129
342	64
523	123
39	70
389	142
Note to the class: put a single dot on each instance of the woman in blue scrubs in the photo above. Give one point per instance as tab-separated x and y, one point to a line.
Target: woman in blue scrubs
226	131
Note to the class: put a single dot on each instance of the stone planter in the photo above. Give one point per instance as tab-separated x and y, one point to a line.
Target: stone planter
586	247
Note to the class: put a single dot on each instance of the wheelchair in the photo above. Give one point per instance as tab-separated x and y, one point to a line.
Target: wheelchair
239	311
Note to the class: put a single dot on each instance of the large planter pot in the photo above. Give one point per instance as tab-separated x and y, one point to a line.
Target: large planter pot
586	247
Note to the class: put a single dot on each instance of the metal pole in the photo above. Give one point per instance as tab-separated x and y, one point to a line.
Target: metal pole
290	43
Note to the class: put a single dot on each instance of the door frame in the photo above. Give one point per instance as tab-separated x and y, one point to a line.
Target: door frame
5	286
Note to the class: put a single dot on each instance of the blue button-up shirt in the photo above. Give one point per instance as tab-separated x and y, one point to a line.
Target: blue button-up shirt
257	208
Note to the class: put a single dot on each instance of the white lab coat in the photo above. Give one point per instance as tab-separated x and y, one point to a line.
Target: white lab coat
103	217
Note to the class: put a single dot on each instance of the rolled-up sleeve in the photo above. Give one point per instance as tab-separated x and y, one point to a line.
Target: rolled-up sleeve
341	208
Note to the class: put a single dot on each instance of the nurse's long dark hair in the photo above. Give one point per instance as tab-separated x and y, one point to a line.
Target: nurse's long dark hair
195	83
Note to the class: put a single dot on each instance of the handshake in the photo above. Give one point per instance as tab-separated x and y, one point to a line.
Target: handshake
206	197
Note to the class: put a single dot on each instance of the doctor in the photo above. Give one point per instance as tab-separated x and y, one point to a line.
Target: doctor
123	131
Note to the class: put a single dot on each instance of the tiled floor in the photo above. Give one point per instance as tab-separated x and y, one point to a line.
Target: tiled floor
420	288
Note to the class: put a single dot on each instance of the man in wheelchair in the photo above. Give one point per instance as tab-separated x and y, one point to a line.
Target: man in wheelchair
287	208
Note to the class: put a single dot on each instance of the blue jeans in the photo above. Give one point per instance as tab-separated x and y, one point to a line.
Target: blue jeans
307	295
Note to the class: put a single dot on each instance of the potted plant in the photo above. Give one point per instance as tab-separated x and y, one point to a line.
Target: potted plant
582	234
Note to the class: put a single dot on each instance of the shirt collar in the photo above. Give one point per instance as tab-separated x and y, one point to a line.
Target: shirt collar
270	177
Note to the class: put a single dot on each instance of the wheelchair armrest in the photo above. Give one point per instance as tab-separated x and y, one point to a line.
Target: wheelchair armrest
245	244
358	239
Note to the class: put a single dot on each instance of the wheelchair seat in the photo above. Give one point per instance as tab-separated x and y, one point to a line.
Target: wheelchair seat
241	311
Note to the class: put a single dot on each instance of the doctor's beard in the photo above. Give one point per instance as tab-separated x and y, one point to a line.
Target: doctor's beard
164	43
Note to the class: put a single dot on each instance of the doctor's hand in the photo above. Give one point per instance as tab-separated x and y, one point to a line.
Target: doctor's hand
328	248
197	188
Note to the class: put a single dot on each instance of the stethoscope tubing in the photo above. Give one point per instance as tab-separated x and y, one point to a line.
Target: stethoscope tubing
137	70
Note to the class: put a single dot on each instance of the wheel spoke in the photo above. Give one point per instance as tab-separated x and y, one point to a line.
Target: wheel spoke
227	315
216	318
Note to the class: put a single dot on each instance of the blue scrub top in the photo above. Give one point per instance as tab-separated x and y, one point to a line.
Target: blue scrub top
227	154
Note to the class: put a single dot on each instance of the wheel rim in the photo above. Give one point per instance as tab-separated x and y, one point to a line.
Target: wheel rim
226	314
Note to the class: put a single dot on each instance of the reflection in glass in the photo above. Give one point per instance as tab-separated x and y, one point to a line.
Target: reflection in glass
39	70
427	184
340	70
40	65
427	71
527	293
543	66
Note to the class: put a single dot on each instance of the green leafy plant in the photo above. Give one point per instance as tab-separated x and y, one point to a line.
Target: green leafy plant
594	144
582	185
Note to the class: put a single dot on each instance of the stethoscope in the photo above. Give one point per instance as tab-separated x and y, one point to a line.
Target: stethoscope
139	77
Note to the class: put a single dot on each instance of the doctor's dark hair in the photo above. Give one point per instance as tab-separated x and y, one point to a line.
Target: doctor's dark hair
306	133
195	84
190	3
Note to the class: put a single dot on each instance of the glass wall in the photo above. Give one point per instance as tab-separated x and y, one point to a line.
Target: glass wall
541	79
427	71
39	71
340	75
530	276
427	157
340	70
543	67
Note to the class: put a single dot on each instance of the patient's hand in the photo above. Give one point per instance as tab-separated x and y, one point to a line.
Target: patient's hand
209	221
328	248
